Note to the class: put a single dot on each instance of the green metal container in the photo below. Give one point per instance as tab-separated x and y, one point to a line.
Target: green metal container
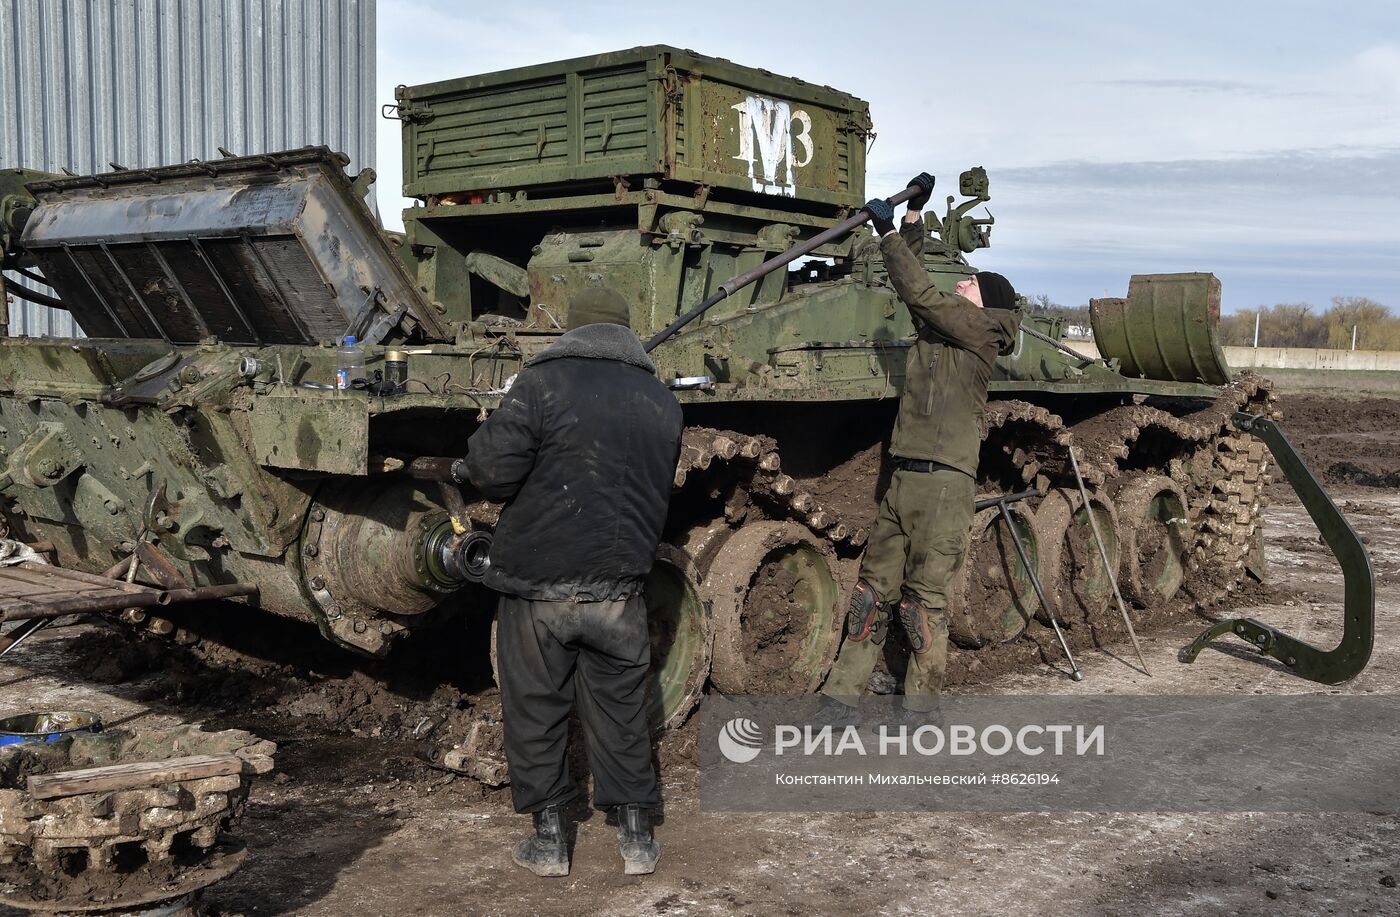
651	112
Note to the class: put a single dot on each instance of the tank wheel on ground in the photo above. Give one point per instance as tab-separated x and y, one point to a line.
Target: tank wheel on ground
776	605
991	599
1154	531
1072	571
682	638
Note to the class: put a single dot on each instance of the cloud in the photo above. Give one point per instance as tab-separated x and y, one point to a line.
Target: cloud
1297	224
1206	86
1341	170
1379	66
1134	141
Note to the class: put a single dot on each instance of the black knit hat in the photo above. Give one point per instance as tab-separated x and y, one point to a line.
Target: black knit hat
997	292
596	305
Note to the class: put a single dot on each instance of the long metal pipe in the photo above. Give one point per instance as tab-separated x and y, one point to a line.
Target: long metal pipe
1107	564
1075	673
21	633
118	601
728	288
207	593
112	601
1008	498
1003	505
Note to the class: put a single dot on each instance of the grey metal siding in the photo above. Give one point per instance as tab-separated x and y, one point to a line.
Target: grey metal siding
144	83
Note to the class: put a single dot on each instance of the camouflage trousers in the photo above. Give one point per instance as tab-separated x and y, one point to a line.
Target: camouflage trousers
915	548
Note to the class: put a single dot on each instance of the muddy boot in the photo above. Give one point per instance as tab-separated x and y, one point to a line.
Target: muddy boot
832	712
914	717
639	849
546	852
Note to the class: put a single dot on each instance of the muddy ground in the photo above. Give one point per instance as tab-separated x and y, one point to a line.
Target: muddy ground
353	823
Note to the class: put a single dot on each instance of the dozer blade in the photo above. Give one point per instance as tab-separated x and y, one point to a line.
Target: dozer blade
1349	657
1165	329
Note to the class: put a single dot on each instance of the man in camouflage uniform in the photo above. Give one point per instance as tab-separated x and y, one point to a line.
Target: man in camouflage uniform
921	532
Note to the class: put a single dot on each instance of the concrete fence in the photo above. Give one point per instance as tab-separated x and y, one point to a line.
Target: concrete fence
1290	357
1310	358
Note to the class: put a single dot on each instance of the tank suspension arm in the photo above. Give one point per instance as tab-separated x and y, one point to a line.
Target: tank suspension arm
729	287
1349	657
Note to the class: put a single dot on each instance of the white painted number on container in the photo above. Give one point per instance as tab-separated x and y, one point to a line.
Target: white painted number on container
769	132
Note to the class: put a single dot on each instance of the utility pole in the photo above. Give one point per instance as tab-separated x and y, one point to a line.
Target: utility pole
1257	315
1353	337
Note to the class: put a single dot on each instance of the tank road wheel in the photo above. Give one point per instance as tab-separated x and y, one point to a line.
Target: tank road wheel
1154	530
775	603
1073	571
681	638
992	599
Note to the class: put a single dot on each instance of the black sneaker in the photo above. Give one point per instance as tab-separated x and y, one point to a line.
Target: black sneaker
639	849
546	852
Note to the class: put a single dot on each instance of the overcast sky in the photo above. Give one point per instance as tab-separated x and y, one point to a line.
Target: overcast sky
1256	140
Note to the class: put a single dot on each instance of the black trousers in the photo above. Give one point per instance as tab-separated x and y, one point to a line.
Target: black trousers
551	653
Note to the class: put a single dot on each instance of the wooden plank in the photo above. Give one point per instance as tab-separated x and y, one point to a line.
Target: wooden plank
132	776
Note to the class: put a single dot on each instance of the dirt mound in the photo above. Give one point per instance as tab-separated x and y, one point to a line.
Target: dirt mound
1347	442
1352	473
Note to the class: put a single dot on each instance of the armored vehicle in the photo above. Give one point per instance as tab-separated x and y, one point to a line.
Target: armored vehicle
196	443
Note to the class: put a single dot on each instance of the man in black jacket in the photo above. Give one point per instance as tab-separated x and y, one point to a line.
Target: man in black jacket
582	451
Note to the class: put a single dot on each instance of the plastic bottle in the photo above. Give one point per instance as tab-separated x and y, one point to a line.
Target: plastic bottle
349	362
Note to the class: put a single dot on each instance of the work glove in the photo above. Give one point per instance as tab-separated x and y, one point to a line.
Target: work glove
924	182
881	215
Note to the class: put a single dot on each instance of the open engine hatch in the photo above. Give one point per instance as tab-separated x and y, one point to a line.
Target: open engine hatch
271	249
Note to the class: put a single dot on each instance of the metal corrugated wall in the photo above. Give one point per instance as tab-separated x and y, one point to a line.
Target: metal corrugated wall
84	83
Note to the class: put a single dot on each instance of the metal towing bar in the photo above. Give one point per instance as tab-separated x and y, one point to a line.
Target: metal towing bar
1349	657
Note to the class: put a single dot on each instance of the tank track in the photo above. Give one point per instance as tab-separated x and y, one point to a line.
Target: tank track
702	447
79	839
1223	473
